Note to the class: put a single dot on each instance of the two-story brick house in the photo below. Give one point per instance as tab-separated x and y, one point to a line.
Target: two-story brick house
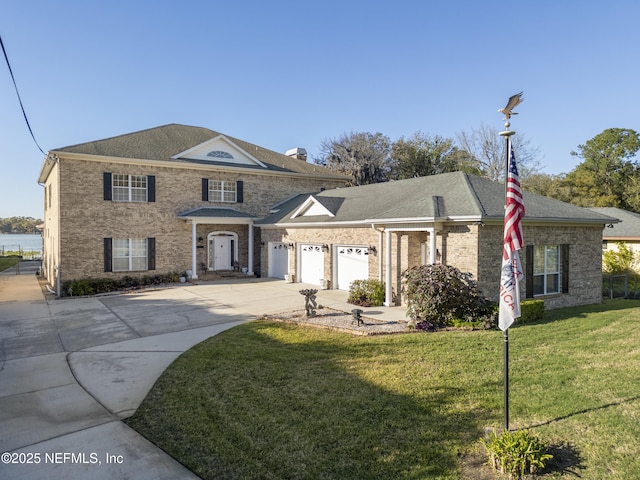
177	198
171	198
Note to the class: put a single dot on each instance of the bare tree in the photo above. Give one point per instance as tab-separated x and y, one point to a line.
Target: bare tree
487	149
365	156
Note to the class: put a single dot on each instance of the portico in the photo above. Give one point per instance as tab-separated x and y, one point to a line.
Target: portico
229	245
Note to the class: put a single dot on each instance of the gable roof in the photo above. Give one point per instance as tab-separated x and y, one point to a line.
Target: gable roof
628	227
456	196
166	142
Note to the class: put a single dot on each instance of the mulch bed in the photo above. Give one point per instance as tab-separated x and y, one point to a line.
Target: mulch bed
331	319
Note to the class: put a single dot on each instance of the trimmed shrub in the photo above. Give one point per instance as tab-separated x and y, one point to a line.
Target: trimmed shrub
531	311
93	286
440	294
366	293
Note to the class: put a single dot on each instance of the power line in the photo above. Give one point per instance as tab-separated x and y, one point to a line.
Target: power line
19	99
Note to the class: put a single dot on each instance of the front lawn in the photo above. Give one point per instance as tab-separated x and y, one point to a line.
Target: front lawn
271	400
8	262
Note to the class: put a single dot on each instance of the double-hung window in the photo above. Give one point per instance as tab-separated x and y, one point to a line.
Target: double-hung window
222	191
129	188
129	254
546	269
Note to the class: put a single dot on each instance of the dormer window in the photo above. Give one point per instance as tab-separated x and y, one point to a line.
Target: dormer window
220	154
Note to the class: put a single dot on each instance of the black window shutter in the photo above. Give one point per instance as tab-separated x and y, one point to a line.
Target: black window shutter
529	271
151	253
564	258
107	255
151	188
205	189
239	191
106	185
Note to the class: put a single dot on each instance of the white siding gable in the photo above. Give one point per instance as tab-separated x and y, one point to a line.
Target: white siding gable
220	150
311	207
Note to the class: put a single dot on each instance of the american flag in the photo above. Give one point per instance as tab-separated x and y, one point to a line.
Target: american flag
511	271
514	211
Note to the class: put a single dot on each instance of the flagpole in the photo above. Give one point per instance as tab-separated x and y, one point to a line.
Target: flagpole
507	134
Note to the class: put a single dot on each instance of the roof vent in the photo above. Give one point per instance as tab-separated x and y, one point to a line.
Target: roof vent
299	153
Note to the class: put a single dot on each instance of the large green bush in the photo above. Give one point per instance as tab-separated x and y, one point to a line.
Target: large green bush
441	294
366	293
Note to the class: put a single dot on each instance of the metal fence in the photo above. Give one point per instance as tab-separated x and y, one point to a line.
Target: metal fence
625	285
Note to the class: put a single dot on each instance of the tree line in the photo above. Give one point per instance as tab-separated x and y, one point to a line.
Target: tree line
19	225
608	175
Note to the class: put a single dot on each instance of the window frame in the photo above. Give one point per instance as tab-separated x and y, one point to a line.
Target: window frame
550	270
128	191
137	254
226	193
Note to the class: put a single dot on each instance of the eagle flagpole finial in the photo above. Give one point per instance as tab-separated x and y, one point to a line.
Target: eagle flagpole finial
514	101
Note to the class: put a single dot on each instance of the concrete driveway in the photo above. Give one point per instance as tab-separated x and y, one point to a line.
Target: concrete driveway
71	369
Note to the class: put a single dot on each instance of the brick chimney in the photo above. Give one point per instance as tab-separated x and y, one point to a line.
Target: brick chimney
299	153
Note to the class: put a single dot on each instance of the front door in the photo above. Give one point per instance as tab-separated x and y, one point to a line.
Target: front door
221	247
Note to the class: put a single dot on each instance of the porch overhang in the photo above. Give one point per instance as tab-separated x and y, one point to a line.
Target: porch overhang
217	216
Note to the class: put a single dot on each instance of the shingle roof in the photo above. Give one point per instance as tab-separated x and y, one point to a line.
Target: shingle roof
628	227
218	212
440	197
164	142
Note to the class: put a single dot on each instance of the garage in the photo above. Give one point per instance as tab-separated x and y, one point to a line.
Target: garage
352	264
311	264
278	259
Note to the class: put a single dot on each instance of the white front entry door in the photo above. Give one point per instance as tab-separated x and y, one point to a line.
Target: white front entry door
221	247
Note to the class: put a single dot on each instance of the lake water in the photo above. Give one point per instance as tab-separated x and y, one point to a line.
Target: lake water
13	242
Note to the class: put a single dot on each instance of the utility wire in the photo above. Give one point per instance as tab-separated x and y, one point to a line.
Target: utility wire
19	99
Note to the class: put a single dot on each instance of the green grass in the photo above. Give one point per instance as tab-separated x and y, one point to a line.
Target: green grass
6	263
269	400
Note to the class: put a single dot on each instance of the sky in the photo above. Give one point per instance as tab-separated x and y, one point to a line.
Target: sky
285	74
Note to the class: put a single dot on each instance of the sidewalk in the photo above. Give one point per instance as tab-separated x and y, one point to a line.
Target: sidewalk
72	368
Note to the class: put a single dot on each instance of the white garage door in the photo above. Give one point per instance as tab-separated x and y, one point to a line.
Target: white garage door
278	259
353	264
311	264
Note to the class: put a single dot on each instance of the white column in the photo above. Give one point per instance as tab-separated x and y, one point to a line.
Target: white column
432	246
381	249
250	266
388	292
194	268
